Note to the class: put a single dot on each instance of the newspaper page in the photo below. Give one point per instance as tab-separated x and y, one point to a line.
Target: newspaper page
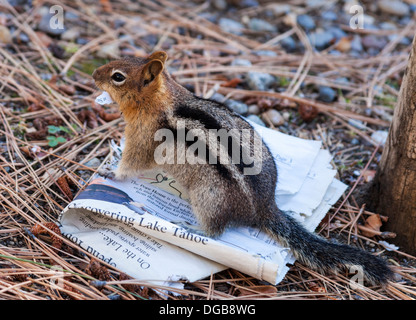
145	226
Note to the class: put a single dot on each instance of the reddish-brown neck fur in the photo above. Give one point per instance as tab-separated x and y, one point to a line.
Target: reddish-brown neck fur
147	93
144	108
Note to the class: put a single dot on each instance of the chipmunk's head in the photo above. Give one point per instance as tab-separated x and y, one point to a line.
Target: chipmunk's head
132	81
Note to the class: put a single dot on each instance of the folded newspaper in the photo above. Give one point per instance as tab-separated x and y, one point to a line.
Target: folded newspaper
145	226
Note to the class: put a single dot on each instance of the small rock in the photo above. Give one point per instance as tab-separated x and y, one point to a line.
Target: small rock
326	94
5	36
255	119
71	16
259	81
338	33
248	3
274	116
241	62
220	4
369	21
380	136
150	39
329	15
20	4
357	123
253	109
307	112
71	34
388	26
321	40
289	44
373	41
218	97
265	53
315	3
231	26
386	116
306	22
110	50
394	7
22	37
93	163
334	52
211	17
256	24
356	44
81	41
279	8
343	81
286	115
237	106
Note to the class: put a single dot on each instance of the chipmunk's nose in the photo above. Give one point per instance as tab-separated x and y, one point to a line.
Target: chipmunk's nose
94	73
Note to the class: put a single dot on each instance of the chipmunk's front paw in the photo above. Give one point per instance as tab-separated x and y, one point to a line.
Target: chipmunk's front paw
116	175
119	176
106	173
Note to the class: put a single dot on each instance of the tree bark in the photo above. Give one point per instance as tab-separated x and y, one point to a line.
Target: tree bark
393	190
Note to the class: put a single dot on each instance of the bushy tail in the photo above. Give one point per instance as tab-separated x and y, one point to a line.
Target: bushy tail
322	255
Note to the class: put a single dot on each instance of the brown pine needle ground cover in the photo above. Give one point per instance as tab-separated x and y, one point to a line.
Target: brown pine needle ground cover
53	136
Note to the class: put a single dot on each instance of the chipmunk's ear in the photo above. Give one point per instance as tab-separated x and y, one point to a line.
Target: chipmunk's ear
151	70
159	55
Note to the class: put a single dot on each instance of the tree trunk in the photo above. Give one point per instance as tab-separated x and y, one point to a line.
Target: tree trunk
393	191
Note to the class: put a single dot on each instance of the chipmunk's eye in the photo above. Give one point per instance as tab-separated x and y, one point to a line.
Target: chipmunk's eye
118	77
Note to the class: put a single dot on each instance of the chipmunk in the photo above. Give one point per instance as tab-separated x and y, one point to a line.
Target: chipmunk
220	192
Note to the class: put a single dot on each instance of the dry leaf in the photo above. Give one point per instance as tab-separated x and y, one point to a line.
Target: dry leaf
89	117
26	151
373	222
53	121
37	135
107	117
368	175
98	271
39	229
344	44
63	185
231	83
69	289
128	286
67	89
39	124
35	107
315	288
